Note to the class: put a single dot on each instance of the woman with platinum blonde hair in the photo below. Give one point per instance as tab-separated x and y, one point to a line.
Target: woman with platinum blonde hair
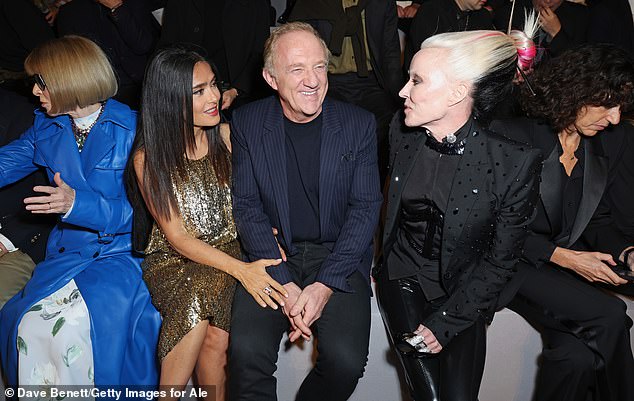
460	198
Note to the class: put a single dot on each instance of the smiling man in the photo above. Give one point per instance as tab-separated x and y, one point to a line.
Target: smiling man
306	166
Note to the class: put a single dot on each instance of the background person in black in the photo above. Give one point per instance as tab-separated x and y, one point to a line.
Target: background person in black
459	200
124	29
618	142
587	350
406	14
22	28
232	32
611	22
564	23
440	16
22	235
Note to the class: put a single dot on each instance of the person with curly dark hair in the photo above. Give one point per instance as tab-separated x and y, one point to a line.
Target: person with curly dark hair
573	242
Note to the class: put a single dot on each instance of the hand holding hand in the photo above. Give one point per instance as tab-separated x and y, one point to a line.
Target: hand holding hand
309	305
298	327
59	199
593	266
409	11
433	346
549	21
260	285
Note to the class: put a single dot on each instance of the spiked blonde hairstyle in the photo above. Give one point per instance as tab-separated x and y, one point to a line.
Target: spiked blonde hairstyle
486	59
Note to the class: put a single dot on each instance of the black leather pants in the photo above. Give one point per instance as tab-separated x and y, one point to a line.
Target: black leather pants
452	375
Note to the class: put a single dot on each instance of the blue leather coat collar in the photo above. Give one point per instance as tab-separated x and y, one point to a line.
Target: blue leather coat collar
114	112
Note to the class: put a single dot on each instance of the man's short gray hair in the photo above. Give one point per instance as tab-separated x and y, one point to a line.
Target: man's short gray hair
270	47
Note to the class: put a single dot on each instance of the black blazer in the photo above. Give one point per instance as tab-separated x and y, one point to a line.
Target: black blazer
349	190
22	28
618	143
25	230
492	200
128	37
611	22
245	27
593	228
440	16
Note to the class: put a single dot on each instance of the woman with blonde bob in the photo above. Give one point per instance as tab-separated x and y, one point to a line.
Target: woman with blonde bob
459	200
85	317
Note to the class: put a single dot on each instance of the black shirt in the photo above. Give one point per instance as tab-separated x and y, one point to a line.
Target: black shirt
425	193
571	193
303	145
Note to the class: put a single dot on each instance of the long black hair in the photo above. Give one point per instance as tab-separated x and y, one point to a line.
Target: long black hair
165	132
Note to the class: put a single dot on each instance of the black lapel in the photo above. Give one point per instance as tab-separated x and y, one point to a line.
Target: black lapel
465	189
274	144
402	166
550	185
332	151
595	177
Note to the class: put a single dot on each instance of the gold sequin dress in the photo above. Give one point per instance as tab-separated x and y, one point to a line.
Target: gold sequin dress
183	291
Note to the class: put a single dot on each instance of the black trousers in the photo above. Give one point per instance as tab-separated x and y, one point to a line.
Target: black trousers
343	333
587	353
452	375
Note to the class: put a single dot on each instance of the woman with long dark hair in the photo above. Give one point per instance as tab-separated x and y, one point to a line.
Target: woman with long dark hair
573	241
459	200
181	171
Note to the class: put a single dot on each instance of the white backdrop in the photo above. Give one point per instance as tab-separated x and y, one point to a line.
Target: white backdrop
513	348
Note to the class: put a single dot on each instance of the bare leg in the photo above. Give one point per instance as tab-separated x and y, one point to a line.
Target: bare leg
178	365
212	362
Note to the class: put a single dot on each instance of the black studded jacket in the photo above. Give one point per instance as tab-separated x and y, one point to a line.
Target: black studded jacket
492	200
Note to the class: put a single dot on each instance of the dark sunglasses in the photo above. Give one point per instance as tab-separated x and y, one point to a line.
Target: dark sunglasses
36	79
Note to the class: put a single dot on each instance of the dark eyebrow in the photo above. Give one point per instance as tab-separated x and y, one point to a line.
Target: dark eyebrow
201	85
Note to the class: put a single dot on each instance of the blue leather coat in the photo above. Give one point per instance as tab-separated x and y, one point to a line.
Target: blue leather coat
92	245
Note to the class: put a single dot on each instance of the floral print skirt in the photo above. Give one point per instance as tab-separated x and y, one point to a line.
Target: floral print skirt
54	346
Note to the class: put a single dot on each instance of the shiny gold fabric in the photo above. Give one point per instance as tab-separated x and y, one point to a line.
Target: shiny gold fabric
183	291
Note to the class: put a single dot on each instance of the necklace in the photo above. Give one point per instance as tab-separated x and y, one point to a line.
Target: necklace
448	146
81	134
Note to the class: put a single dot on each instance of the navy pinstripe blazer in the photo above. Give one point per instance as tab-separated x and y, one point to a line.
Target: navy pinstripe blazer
349	190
